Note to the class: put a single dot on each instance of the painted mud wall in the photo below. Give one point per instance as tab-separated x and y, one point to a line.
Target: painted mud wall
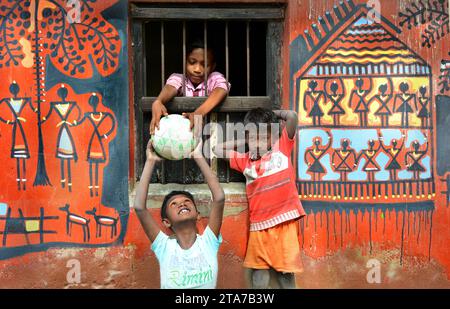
397	215
369	81
63	124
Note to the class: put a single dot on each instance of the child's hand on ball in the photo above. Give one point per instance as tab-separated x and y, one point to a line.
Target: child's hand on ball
158	111
151	154
194	118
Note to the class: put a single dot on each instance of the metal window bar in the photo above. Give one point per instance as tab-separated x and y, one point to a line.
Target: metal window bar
227	170
163	73
247	32
213	117
184	79
227	73
227	76
205	42
184	58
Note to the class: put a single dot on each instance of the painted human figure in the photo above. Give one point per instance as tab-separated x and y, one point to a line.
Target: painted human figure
14	107
103	124
370	154
343	160
413	158
424	102
393	152
360	103
68	114
383	99
311	99
314	154
402	103
336	97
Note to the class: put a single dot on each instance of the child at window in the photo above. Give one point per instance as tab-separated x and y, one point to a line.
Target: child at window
193	85
186	259
274	205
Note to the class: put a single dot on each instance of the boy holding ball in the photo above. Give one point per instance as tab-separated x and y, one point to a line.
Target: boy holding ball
186	259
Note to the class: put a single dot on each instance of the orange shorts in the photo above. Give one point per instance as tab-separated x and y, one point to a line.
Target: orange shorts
276	247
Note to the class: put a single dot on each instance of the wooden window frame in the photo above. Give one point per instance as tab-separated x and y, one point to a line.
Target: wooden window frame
273	14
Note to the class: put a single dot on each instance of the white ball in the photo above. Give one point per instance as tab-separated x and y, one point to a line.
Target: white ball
174	139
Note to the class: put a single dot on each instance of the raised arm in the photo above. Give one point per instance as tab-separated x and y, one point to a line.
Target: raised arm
149	225
406	158
350	100
218	196
415	101
158	109
426	142
305	96
223	150
379	146
381	140
291	119
332	160
403	140
79	113
330	141
370	87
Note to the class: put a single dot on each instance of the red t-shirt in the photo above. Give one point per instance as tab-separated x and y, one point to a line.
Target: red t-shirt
270	185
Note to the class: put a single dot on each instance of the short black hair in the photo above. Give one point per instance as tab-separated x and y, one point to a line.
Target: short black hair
167	199
260	115
198	43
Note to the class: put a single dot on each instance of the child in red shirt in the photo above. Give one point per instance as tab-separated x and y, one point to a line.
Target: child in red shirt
274	205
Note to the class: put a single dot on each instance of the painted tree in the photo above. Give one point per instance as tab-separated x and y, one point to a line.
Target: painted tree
72	34
433	14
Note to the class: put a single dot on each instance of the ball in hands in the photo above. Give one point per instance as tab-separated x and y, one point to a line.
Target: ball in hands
174	139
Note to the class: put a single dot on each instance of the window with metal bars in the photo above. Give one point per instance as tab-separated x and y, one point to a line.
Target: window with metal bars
246	41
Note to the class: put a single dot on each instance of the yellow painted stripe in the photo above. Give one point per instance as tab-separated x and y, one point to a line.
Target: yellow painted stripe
357	52
369	60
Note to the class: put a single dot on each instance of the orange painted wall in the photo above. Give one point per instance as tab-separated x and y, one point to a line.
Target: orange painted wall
418	238
63	124
385	229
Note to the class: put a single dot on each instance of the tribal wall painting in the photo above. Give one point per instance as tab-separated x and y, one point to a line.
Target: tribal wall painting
372	93
443	139
365	148
431	16
63	124
444	77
